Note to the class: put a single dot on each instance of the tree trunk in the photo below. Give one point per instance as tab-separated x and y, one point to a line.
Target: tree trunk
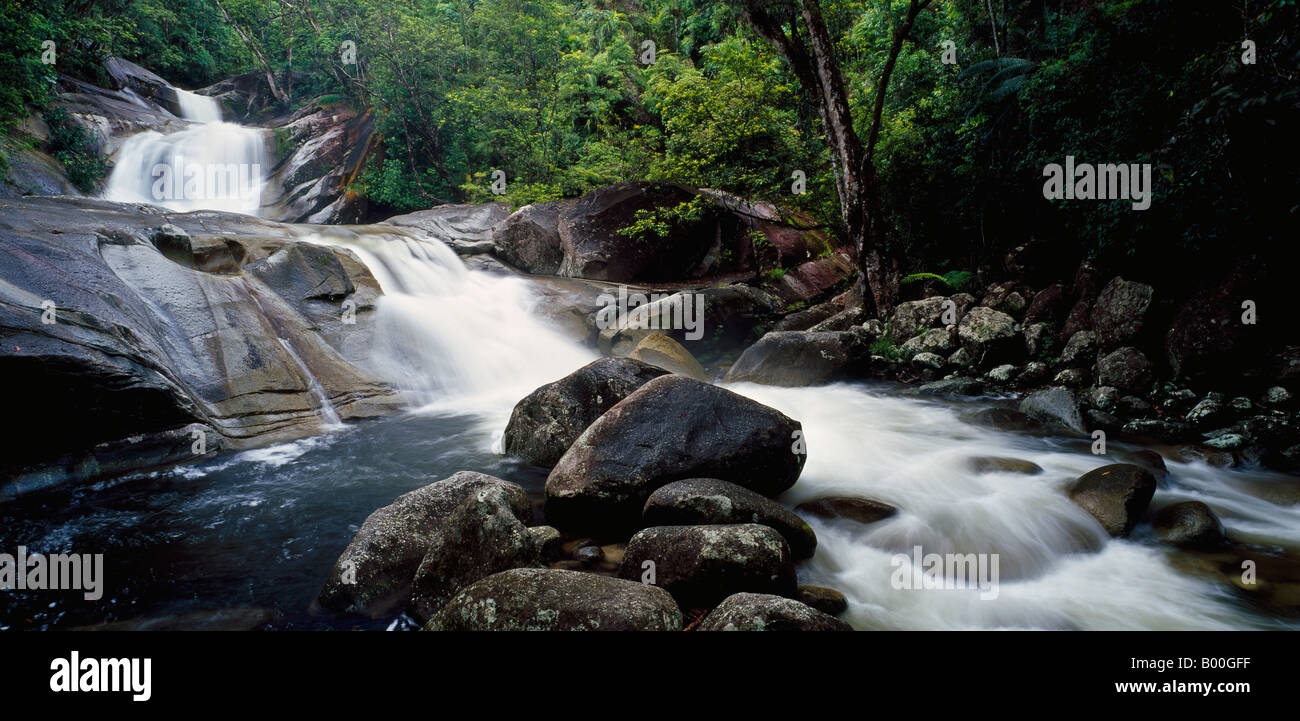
257	55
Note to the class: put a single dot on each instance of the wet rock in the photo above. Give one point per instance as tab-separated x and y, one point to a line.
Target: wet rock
996	464
1116	495
1151	461
1125	368
1054	407
545	423
1277	396
1102	420
1035	373
928	360
952	387
1120	311
708	501
807	318
375	571
841	321
765	612
826	600
800	358
1241	404
672	427
661	351
482	536
1209	410
547	539
1002	373
544	599
1158	428
1105	398
1071	378
961	358
862	510
589	555
1188	524
1004	419
701	565
1226	441
989	335
940	341
1179	401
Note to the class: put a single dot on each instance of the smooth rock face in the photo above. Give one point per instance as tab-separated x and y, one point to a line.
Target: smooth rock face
545	423
482	536
764	612
862	510
700	501
661	351
143	343
530	239
1116	495
1190	524
800	358
375	571
1054	406
544	599
701	565
671	428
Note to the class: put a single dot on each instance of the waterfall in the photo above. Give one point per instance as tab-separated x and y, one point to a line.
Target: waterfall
323	405
211	165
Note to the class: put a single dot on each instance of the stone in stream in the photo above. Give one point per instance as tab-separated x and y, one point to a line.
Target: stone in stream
701	565
801	358
1054	407
996	464
862	510
1003	419
1116	495
482	536
661	351
952	387
765	612
547	599
1190	524
699	501
826	600
545	423
671	428
375	571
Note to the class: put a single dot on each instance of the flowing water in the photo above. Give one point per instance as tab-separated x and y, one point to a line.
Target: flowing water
211	165
261	528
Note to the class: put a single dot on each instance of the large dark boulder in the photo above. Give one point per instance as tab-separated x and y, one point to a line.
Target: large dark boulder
1116	495
701	565
765	612
701	501
801	358
544	599
989	336
530	239
862	510
482	536
671	428
545	423
375	571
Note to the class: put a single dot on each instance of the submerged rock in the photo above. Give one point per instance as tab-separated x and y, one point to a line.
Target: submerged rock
699	501
1190	524
1055	407
545	599
1116	495
826	600
673	427
862	510
995	464
545	423
765	612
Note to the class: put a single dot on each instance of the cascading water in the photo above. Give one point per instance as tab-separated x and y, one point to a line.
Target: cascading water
212	165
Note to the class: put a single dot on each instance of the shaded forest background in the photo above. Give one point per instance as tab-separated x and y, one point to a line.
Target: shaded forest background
557	94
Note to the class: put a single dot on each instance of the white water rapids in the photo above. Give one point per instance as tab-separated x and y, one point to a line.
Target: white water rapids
467	341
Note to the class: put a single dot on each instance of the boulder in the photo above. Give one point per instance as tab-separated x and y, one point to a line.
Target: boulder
826	600
1048	306
1054	407
1190	524
1120	311
375	571
931	361
482	536
661	351
671	428
862	510
997	464
989	336
530	239
701	565
1116	495
1126	369
952	387
765	612
934	340
708	501
913	316
545	423
1080	348
544	599
800	358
